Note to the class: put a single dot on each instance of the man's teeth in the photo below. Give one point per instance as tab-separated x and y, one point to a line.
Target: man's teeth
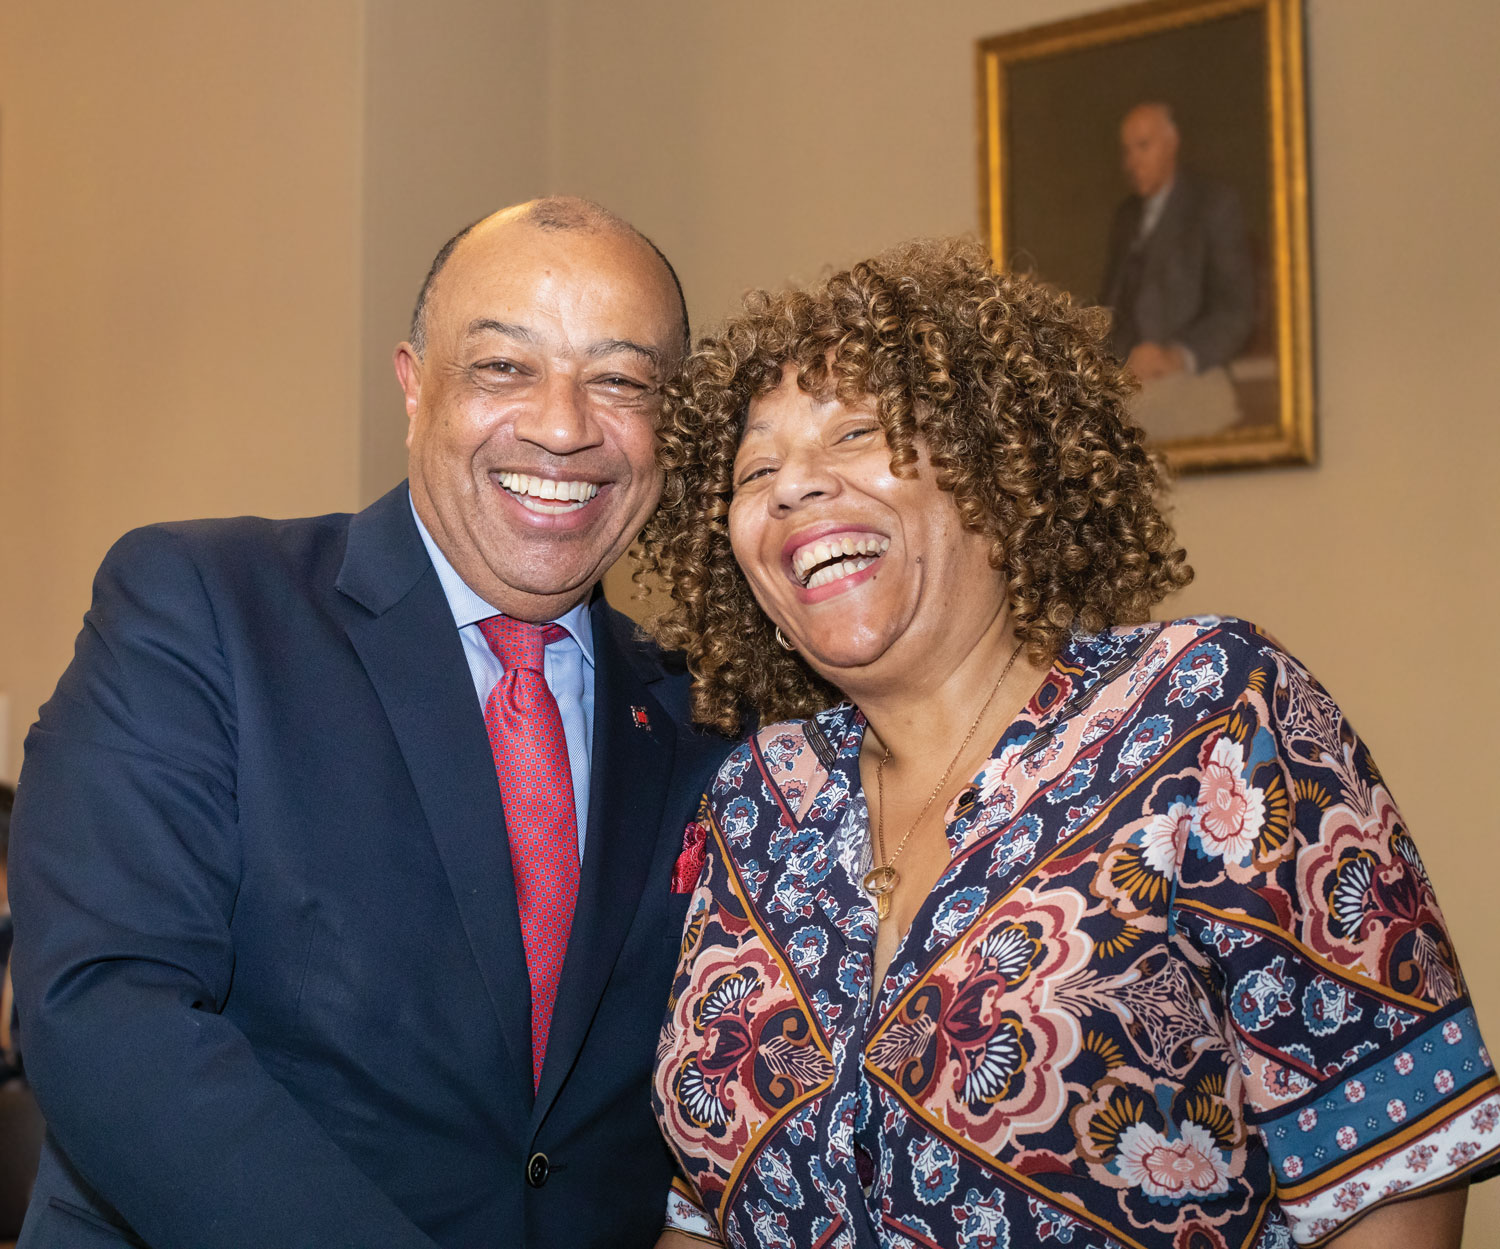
565	496
858	551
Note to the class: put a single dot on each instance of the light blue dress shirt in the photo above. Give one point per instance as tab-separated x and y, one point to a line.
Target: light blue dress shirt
567	667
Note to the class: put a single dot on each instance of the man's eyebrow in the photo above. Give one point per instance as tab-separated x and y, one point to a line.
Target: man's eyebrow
484	325
609	346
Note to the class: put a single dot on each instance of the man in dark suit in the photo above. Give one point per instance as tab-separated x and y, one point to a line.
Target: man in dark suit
294	970
1179	277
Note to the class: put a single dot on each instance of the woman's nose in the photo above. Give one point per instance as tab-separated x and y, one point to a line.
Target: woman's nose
804	477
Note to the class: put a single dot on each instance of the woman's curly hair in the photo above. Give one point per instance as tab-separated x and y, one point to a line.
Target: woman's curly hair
1010	389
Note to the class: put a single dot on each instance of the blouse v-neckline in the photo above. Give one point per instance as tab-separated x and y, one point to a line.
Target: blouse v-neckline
1065	691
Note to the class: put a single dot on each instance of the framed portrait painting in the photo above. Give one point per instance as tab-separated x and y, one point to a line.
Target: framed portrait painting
1152	159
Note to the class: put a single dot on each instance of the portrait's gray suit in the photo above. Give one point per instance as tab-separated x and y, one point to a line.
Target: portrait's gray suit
1190	282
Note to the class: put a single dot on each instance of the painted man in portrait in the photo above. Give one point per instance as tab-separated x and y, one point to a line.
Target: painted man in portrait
1180	280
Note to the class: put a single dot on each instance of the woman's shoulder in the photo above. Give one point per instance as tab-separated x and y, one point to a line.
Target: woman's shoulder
1229	634
1246	644
1190	663
1235	628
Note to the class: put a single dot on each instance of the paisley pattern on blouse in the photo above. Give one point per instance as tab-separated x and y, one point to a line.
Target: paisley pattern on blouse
1184	982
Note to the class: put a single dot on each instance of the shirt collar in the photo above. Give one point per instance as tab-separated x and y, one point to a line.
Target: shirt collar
1155	205
468	608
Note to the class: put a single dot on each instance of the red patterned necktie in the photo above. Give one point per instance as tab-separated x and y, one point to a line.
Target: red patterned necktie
536	789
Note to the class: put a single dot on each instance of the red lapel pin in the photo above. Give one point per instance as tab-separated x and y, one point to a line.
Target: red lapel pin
642	720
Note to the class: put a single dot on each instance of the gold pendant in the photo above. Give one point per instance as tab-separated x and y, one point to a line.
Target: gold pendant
880	883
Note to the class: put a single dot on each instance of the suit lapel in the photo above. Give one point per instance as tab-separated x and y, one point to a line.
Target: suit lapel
1127	225
411	650
631	767
1167	232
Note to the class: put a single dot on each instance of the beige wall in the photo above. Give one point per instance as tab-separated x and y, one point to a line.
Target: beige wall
179	287
455	125
213	218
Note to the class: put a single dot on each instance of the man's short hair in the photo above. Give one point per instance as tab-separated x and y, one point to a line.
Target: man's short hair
554	212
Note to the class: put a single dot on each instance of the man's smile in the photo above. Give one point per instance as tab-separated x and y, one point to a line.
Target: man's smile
545	495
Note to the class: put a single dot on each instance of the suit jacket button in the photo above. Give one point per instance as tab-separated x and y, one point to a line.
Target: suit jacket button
537	1170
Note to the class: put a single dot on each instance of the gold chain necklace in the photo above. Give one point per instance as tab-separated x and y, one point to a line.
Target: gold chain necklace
880	882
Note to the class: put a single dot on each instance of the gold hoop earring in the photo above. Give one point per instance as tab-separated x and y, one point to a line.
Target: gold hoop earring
781	640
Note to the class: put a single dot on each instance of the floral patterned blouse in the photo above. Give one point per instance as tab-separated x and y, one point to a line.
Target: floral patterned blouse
1184	982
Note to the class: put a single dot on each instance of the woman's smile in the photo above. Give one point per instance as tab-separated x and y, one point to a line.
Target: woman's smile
851	559
817	559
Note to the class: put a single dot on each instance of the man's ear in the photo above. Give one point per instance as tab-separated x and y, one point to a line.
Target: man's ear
409	374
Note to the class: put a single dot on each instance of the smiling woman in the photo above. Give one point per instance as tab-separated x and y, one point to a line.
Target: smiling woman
1007	391
1148	956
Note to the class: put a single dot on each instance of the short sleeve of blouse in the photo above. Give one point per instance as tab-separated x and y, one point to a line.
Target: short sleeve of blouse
1362	1064
686	1214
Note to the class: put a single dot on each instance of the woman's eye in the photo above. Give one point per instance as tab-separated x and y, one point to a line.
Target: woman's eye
755	473
861	432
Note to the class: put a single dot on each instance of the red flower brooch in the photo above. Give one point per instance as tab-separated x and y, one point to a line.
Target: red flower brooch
690	861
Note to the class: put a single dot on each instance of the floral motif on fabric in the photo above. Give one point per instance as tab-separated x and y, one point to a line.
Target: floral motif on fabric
982	1043
1184	982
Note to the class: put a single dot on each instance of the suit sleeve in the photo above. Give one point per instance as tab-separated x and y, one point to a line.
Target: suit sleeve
124	871
1226	313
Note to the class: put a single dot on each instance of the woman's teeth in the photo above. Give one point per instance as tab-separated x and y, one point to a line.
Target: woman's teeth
846	568
559	496
843	555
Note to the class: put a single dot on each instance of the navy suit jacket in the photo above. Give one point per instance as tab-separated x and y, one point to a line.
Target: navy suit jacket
268	955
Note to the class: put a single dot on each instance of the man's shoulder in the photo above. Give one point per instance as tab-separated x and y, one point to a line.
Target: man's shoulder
1205	195
212	537
262	550
235	547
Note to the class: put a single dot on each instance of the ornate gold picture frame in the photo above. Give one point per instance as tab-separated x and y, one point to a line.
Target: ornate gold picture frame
1153	159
